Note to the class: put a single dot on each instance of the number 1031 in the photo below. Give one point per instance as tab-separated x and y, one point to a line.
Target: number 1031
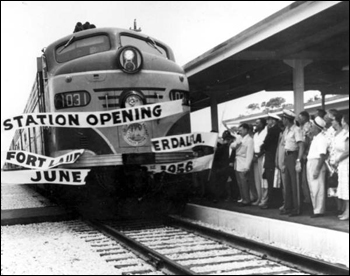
68	100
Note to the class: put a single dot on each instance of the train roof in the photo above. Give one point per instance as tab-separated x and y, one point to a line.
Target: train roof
109	30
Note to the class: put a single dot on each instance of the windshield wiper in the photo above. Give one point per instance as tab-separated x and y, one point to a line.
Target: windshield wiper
69	42
152	43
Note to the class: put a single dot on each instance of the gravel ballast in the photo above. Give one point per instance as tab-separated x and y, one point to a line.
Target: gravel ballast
20	197
48	249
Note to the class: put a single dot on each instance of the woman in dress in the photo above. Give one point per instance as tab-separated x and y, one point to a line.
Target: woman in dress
341	147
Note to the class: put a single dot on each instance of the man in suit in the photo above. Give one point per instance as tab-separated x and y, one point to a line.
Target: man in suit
220	170
233	191
269	147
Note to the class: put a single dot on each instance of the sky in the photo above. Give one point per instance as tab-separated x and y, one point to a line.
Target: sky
190	28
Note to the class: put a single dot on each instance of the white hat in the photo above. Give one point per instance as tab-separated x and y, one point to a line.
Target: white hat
288	114
273	116
320	123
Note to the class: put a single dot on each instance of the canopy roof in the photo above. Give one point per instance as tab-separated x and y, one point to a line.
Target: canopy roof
257	59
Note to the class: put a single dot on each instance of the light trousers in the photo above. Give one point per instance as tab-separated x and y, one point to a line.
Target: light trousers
317	186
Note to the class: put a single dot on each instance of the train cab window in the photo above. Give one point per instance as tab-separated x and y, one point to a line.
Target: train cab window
145	45
73	49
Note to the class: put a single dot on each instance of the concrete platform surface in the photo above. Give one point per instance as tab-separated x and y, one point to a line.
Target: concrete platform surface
329	221
34	215
324	238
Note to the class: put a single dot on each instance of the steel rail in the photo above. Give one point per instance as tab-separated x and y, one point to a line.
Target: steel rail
285	257
157	260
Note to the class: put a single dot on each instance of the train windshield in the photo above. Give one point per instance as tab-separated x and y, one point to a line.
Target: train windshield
147	45
83	47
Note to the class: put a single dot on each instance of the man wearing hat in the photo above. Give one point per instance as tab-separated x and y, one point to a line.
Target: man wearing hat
294	150
258	160
269	147
316	168
305	126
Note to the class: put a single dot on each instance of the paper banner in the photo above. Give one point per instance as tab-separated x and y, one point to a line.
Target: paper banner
184	142
95	119
40	162
189	166
55	176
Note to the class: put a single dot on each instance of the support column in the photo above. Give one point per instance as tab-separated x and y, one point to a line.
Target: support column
323	101
214	114
298	82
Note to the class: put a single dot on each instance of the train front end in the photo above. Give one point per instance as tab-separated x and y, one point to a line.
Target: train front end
102	70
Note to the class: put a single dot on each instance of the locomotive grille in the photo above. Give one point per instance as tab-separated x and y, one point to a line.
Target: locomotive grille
84	142
112	100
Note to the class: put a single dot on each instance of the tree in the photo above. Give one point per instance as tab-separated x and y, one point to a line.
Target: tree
275	102
253	106
288	106
314	98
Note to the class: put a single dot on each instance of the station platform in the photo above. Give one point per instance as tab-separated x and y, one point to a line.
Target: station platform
22	205
325	238
34	215
329	221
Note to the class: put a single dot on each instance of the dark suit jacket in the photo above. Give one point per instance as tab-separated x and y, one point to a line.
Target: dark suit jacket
221	156
270	146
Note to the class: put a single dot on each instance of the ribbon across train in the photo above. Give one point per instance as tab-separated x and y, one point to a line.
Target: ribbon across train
55	176
189	166
184	142
40	162
95	119
43	174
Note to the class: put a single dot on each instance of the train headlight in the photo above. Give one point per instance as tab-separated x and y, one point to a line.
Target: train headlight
130	59
132	99
129	54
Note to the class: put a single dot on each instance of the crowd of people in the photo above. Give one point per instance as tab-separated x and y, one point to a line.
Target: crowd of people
284	162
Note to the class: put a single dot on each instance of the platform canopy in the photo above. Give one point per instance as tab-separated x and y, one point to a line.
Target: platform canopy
310	35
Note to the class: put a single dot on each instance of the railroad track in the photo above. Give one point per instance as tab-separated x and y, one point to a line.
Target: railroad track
287	258
174	247
117	255
180	248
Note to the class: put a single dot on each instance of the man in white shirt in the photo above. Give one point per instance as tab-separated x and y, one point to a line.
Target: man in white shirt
259	137
243	161
316	169
329	131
